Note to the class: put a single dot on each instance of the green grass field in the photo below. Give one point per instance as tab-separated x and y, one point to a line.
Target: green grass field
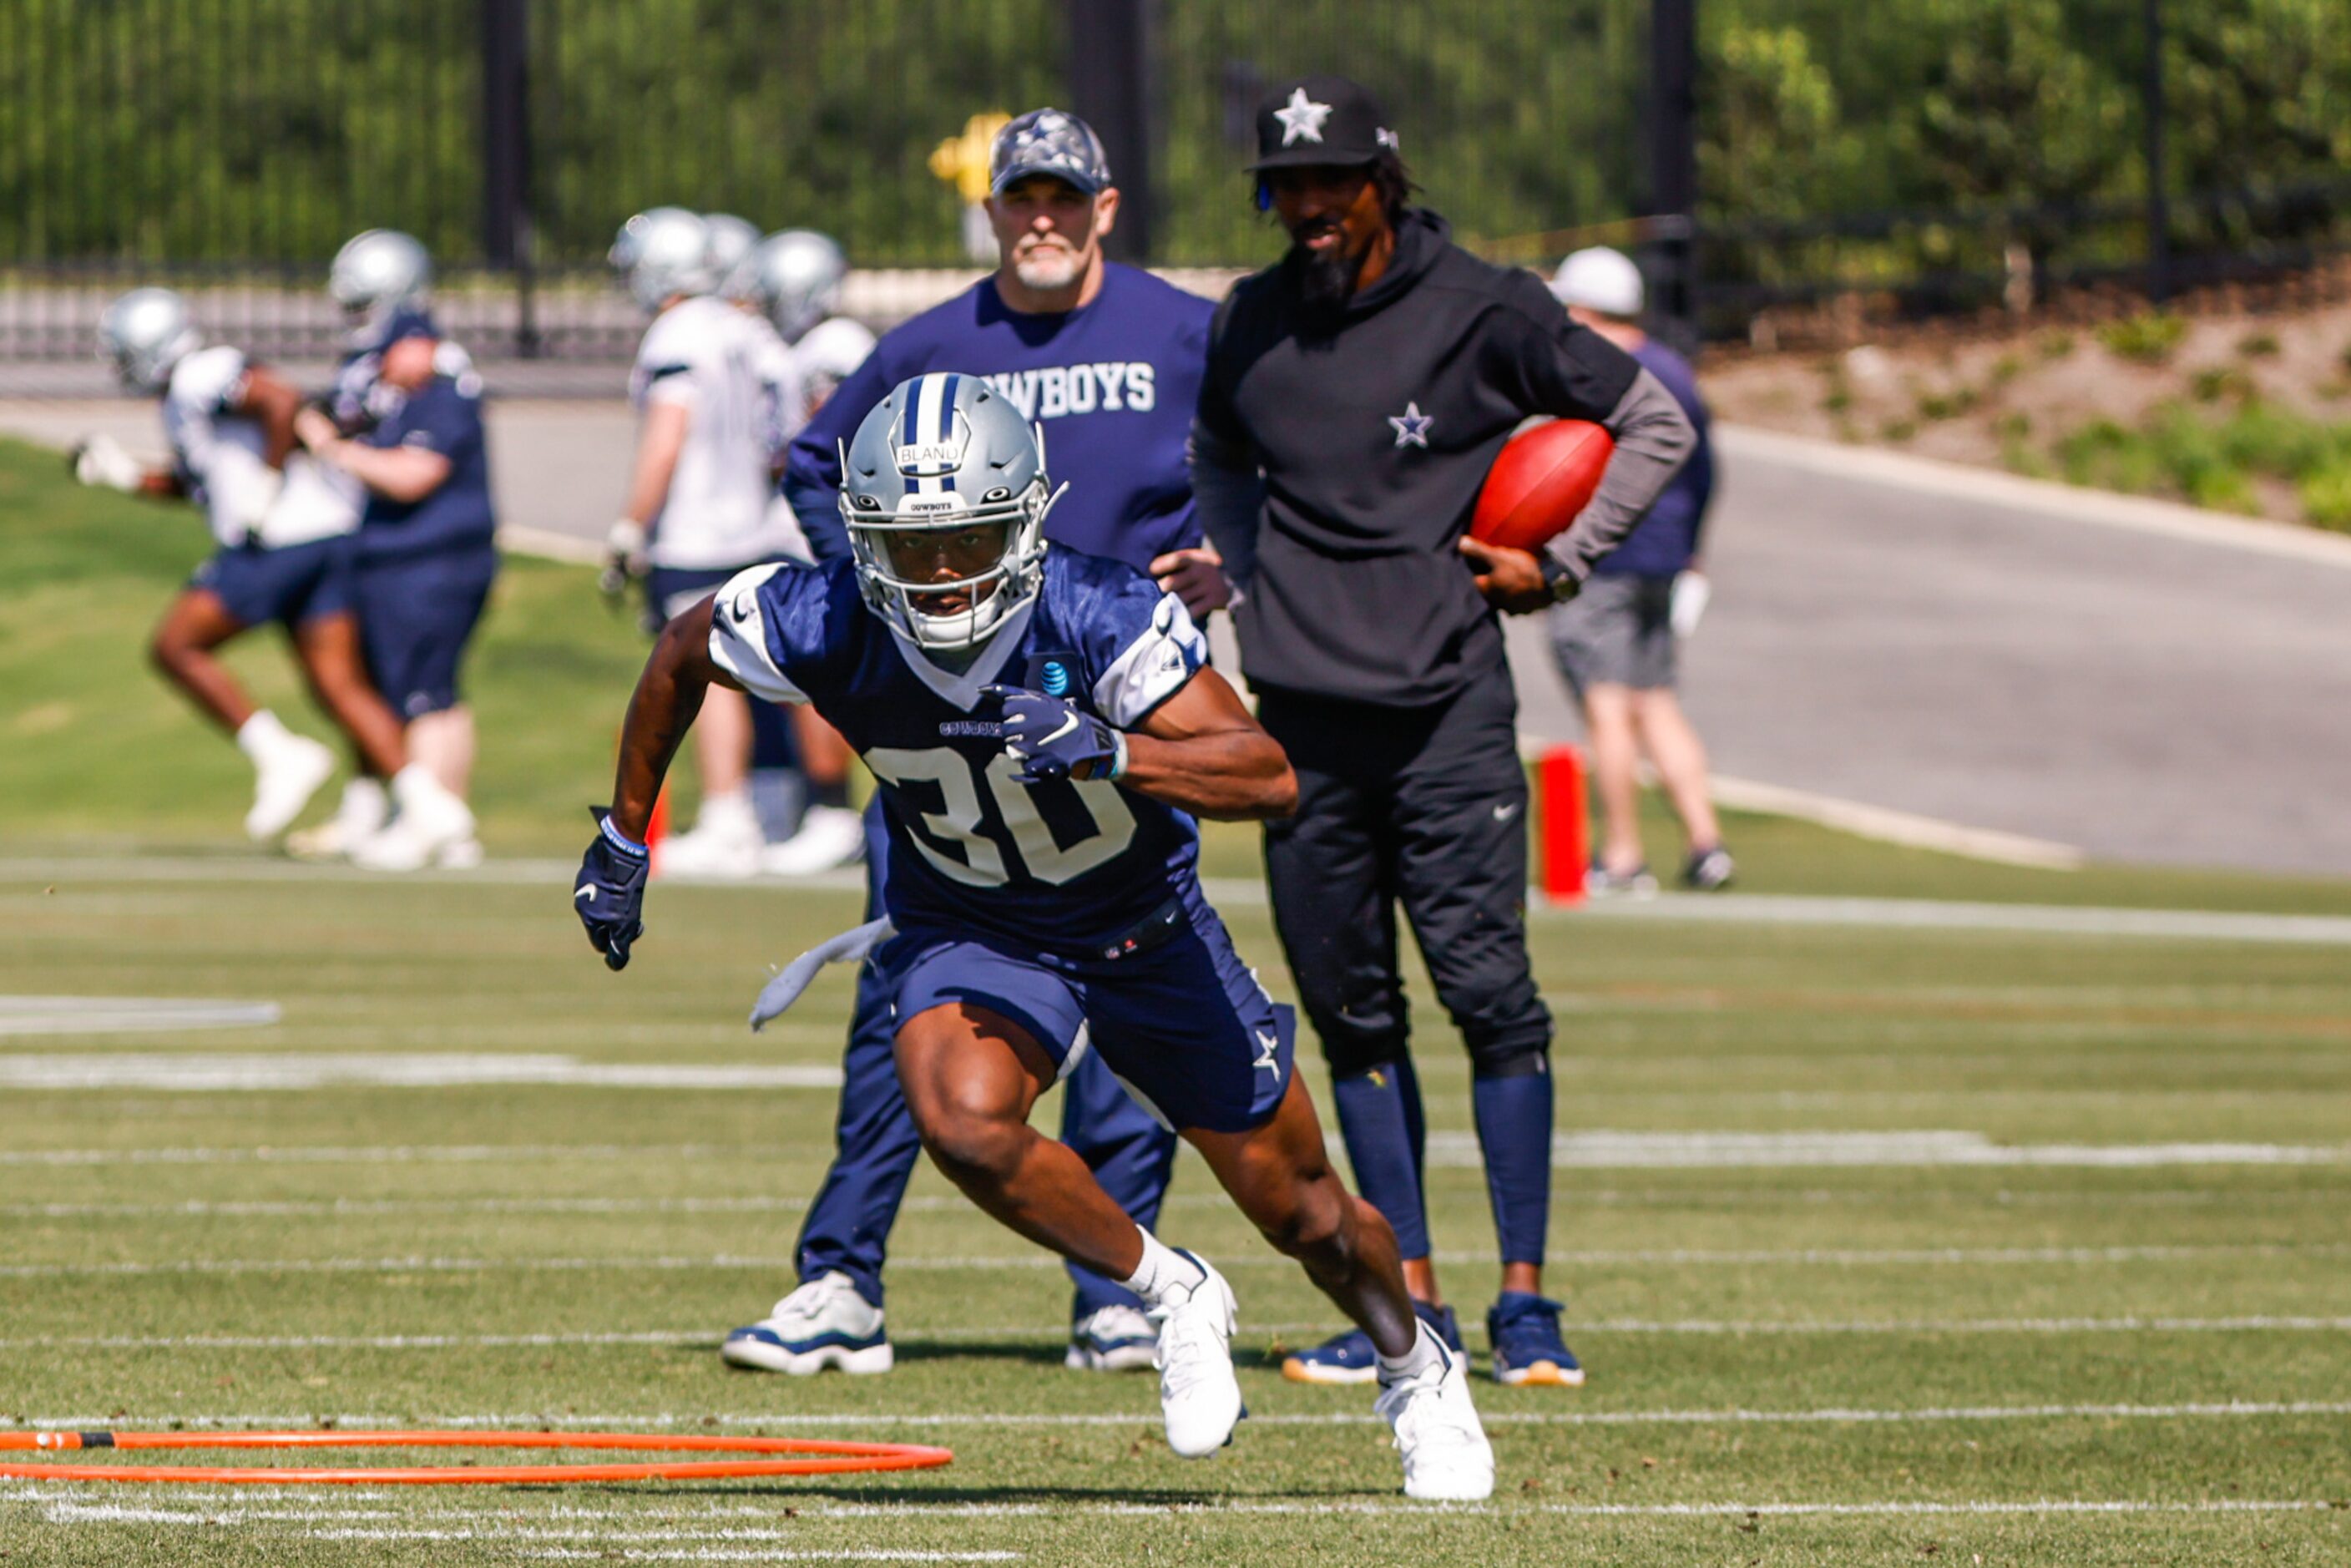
1881	1243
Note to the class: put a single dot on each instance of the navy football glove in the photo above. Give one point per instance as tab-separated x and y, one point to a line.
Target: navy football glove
611	893
1055	739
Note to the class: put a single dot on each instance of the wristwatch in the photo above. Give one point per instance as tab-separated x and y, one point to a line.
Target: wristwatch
1561	582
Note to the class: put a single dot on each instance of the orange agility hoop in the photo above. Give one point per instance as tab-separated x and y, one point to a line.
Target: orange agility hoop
809	1456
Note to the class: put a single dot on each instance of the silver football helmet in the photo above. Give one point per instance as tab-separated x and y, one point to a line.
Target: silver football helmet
947	454
728	240
145	334
375	274
794	277
660	253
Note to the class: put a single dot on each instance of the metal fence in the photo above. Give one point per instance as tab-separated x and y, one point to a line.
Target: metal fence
1919	155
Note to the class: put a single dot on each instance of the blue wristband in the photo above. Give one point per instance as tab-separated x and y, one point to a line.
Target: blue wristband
622	842
1118	754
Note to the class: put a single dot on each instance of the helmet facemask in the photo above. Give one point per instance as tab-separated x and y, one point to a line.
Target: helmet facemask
991	585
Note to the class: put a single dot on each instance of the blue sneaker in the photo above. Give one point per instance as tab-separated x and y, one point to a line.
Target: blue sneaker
1527	1351
823	1324
1350	1358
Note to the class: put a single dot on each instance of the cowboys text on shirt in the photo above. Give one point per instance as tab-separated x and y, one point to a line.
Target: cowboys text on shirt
1115	386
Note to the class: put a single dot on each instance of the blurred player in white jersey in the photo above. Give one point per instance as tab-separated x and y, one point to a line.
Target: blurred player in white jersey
729	241
793	279
697	507
284	524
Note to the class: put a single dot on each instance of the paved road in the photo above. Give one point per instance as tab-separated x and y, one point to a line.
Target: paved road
1993	661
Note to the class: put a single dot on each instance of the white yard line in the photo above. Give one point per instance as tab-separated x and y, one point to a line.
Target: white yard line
1755	909
1607	1149
69	1510
1651	1197
1731	1416
21	1016
1937	914
248	1071
1599	1148
390	1153
1676	1257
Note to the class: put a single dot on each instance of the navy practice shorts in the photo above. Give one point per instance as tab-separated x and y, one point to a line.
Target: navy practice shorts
416	616
291	585
1181	1023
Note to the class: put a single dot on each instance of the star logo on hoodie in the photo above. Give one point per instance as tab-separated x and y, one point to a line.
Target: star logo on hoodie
1411	426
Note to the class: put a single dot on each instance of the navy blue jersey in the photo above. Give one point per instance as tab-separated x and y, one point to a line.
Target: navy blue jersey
457	516
1066	867
1113	384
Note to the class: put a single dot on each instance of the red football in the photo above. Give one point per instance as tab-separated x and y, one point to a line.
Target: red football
1543	478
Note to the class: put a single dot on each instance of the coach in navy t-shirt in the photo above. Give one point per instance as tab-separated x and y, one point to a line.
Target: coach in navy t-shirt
426	557
1110	372
1107	362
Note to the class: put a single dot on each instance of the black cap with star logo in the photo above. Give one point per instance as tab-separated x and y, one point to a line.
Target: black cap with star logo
1321	119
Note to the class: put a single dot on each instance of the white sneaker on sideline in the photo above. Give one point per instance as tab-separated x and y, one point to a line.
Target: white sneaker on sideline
1199	1398
285	777
828	837
1111	1339
725	841
360	816
431	820
1445	1456
823	1324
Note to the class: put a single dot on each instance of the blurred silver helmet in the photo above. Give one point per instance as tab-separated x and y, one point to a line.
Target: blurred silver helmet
729	241
945	454
375	274
662	252
145	334
794	278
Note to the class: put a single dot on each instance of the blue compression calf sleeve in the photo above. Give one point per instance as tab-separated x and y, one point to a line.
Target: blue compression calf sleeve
1375	1122
1514	1122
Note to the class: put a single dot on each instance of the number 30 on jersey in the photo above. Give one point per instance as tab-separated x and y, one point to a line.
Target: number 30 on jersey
960	821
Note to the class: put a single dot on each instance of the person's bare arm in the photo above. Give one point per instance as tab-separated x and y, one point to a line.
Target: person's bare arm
271	402
663	708
403	473
1204	752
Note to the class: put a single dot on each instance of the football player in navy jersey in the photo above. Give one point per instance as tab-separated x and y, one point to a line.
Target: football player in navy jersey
1107	360
1045	730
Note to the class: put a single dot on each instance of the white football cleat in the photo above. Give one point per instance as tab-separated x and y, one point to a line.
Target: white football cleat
360	816
285	777
1445	1456
1111	1339
823	1324
828	837
1198	1396
725	841
431	823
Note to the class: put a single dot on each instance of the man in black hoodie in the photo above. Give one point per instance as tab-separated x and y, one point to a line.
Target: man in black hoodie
1357	393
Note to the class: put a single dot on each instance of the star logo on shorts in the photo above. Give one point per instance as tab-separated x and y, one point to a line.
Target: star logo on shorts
1411	426
1267	1059
1301	119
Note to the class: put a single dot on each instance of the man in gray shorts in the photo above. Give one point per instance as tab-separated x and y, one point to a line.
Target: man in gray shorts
1615	638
